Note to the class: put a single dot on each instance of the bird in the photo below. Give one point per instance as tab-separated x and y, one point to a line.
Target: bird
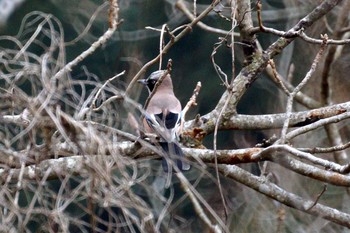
163	117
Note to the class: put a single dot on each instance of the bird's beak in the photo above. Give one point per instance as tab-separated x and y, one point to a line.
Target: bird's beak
142	81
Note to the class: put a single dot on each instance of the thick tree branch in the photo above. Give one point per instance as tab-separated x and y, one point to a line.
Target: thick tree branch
259	62
313	172
273	191
116	152
244	17
205	125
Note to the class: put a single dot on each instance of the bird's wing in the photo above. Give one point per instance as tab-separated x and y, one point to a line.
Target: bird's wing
166	126
170	121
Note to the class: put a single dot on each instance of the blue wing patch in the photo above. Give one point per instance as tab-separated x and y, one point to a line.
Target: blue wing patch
170	121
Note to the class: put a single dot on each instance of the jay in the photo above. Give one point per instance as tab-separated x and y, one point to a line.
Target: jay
163	117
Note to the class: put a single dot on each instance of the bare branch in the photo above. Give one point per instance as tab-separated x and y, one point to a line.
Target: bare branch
300	86
319	196
99	91
287	87
201	213
182	6
268	152
113	14
170	44
271	190
269	121
52	129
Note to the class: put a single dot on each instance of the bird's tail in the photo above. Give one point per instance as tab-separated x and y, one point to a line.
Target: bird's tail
174	151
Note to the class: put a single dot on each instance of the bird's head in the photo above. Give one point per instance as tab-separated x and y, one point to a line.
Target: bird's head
151	81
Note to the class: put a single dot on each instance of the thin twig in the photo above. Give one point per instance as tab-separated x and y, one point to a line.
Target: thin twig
107	101
182	6
113	19
290	199
335	138
215	154
318	197
320	123
159	81
296	33
190	103
219	72
306	38
194	195
277	77
167	47
113	14
258	11
287	87
326	149
88	26
93	105
332	166
281	217
301	85
161	46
